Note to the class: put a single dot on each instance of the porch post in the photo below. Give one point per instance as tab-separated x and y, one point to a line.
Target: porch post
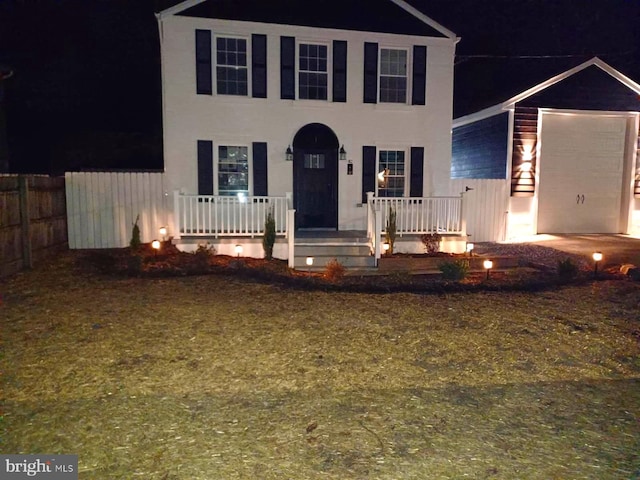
378	232
176	214
291	224
370	216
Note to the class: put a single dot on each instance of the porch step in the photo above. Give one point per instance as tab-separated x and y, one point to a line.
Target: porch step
351	252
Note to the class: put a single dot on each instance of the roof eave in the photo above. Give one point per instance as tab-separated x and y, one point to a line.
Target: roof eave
425	19
180	7
560	77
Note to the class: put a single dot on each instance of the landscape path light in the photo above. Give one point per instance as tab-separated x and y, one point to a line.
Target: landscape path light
238	250
488	265
163	233
597	258
156	246
309	262
469	248
386	247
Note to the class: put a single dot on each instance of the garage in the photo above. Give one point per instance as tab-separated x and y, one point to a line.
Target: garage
564	153
581	160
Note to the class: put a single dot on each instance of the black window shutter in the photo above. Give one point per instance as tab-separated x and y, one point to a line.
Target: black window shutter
418	96
368	171
417	171
260	169
203	62
287	68
370	72
259	66
339	71
205	167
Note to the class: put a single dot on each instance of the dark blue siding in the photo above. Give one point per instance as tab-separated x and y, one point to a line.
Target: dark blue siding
589	89
480	148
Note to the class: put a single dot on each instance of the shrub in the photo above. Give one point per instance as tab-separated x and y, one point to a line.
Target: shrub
135	236
334	270
202	256
390	232
455	270
431	242
269	238
567	269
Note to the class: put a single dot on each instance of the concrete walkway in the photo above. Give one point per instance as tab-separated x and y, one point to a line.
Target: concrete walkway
616	249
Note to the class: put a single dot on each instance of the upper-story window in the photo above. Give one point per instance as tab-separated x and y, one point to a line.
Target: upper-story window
312	71
233	170
231	66
391	173
393	75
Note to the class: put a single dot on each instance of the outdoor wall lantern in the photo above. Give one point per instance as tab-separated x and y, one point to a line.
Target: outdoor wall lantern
488	265
525	166
469	248
343	153
238	250
242	197
289	154
597	257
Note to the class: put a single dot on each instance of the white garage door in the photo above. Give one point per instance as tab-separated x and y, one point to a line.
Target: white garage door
581	172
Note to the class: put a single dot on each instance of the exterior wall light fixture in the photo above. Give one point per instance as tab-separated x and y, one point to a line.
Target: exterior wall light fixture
343	153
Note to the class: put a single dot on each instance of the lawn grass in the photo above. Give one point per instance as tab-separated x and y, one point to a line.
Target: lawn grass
217	377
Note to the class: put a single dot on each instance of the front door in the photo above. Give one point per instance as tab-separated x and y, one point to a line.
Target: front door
315	178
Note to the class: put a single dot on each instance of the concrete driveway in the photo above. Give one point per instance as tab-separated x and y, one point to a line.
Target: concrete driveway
616	249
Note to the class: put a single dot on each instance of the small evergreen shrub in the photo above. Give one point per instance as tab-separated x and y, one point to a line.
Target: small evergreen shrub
567	269
455	270
135	236
203	255
391	229
431	242
334	270
269	237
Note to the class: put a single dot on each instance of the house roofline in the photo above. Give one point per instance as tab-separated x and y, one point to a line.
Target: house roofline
400	3
510	103
425	19
167	12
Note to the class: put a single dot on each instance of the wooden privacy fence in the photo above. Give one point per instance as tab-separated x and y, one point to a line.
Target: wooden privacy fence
32	219
103	206
485	208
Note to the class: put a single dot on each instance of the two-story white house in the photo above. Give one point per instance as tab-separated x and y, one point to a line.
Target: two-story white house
324	108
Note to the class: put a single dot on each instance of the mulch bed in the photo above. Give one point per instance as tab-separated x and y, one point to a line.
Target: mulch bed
537	271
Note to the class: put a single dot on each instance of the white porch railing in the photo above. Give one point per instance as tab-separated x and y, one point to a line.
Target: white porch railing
420	215
414	215
219	216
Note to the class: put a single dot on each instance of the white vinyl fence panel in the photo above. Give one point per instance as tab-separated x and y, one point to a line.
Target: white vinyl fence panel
485	208
103	206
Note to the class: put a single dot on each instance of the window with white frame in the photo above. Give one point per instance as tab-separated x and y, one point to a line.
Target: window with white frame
233	170
313	75
391	173
393	75
231	66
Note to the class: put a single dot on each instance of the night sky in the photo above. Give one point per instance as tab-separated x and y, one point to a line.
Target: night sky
86	88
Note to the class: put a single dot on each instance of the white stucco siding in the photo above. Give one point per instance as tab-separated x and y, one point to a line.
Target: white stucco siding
231	120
